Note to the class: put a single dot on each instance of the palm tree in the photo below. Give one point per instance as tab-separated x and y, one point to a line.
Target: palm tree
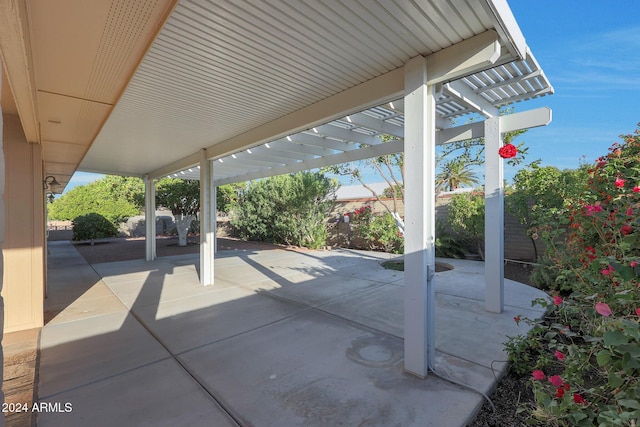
454	174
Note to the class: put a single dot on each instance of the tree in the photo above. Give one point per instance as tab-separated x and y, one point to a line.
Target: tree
114	197
227	195
389	167
463	155
454	174
130	189
290	209
182	198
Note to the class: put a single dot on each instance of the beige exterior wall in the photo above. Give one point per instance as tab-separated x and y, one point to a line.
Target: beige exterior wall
2	216
24	242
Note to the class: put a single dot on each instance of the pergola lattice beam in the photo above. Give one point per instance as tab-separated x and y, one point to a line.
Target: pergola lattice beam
335	159
465	95
269	163
345	135
281	152
318	141
365	121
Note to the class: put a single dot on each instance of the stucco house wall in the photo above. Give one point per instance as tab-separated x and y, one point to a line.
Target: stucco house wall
23	249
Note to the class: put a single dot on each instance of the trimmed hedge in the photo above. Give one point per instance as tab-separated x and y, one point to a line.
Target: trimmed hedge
93	226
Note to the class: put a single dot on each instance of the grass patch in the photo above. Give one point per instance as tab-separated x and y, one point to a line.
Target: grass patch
394	265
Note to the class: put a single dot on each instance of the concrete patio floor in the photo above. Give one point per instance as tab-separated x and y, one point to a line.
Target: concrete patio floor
284	338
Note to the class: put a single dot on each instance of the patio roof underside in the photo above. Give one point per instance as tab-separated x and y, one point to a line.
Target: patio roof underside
360	136
141	88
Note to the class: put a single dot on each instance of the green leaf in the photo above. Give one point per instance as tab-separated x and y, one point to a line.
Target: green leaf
603	357
632	349
577	417
609	418
615	338
631	329
629	363
615	380
629	403
626	272
626	415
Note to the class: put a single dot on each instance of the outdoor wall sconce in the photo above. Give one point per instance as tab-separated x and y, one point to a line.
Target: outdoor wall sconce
50	183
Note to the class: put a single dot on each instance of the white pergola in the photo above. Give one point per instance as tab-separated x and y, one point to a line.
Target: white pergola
229	90
422	116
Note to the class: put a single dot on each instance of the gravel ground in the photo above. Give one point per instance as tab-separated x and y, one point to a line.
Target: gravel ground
511	392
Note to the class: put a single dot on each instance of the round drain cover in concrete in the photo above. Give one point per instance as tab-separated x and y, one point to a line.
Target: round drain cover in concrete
375	353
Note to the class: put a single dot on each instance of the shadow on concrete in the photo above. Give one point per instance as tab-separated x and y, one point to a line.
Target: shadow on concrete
309	338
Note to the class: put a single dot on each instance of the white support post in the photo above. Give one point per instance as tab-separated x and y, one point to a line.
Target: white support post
419	149
207	220
494	217
214	210
150	217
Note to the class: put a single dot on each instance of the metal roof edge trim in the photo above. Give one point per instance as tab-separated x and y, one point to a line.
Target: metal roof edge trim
507	26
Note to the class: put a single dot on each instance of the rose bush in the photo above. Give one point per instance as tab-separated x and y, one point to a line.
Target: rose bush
380	232
585	364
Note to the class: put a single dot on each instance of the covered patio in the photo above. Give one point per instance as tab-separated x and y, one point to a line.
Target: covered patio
226	91
286	337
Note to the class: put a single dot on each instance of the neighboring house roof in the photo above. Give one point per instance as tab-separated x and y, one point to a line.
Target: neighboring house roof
353	192
350	192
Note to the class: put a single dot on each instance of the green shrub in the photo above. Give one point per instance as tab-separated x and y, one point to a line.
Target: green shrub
466	219
227	195
591	338
382	234
114	197
379	232
289	209
447	245
93	226
541	199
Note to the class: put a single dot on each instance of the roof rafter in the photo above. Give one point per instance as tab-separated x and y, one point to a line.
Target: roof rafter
319	141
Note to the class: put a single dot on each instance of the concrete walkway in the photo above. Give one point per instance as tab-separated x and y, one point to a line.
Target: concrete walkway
284	338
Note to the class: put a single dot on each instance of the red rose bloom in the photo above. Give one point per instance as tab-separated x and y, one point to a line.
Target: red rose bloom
508	151
556	380
579	399
538	375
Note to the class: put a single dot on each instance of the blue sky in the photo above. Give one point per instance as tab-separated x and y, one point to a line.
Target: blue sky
590	51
